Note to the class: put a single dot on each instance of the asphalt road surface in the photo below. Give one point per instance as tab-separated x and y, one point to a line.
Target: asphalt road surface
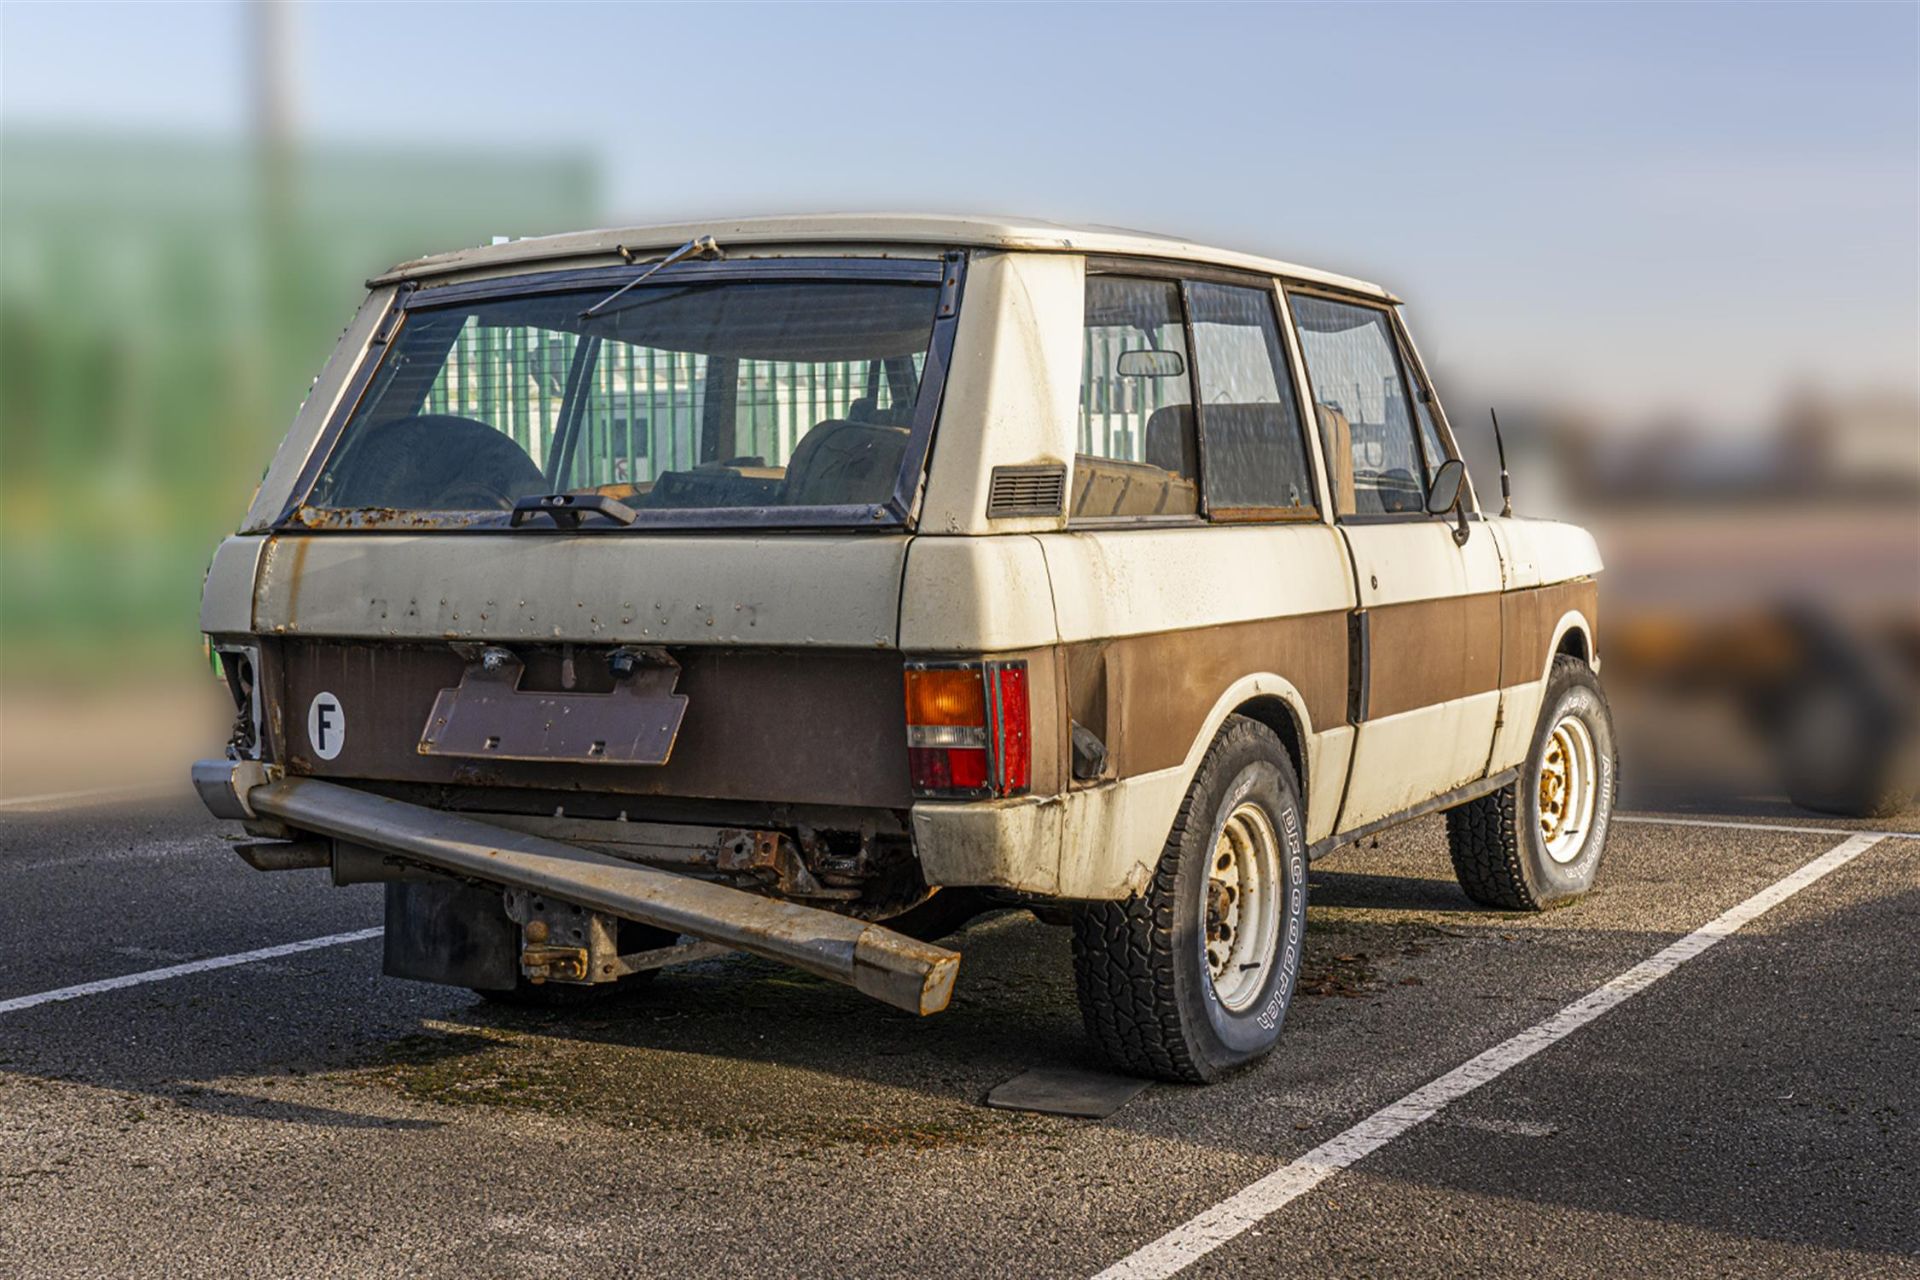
1638	1097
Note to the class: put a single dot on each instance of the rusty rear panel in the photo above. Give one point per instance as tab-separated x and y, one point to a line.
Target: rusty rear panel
1148	696
813	726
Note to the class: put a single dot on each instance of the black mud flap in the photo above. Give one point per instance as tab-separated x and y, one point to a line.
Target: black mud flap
451	933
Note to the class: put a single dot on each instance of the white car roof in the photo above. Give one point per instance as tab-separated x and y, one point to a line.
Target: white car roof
920	229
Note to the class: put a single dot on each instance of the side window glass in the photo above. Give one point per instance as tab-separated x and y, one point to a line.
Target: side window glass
1429	436
1430	441
1256	457
1366	427
1136	453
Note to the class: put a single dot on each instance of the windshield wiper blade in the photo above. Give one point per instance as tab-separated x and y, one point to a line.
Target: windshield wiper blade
698	247
569	509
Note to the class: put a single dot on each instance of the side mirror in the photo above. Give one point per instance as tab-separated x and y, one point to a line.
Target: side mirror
1150	362
1445	495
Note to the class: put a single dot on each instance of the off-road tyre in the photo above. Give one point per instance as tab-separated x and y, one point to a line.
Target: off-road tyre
1498	852
1140	966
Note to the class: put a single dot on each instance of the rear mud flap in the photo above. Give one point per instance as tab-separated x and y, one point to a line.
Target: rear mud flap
451	933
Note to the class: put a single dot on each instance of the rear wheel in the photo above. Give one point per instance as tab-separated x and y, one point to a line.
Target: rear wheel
1193	977
1537	842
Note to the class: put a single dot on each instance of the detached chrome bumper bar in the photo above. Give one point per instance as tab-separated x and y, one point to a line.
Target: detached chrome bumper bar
889	966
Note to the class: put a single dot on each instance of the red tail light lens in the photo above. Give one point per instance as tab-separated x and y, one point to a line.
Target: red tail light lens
1012	728
968	729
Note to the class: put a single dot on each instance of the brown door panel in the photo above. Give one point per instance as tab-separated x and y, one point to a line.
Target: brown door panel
1430	651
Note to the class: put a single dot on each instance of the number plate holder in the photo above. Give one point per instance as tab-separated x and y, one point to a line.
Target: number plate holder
487	716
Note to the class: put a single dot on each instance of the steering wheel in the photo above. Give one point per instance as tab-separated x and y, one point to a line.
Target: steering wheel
435	461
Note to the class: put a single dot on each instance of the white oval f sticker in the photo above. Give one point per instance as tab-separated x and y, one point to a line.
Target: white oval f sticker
326	725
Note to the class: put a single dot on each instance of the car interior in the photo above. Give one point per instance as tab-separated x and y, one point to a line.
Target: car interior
804	397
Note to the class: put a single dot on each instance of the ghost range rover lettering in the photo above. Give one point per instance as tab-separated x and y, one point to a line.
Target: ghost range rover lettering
843	577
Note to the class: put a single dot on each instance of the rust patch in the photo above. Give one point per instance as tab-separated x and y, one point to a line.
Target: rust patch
296	575
389	518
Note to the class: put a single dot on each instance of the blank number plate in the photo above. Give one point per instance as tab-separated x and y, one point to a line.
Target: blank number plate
488	717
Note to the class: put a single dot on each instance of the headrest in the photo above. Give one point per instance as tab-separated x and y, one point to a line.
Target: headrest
840	462
1240	426
894	415
1232	429
1169	442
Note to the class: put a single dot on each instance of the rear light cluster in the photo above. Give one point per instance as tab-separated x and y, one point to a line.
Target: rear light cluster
969	731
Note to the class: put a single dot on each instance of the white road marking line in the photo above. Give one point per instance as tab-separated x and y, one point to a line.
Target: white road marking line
18	1003
1655	820
97	795
1199	1236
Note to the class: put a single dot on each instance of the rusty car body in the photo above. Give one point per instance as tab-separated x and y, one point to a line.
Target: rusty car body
807	585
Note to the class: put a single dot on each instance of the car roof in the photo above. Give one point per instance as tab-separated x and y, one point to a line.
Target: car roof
919	229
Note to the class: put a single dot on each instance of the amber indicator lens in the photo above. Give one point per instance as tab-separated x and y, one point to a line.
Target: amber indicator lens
946	696
968	730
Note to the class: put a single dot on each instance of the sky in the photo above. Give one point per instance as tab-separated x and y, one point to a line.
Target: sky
1638	210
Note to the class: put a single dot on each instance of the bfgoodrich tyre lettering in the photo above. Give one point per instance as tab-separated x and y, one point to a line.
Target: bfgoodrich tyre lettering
1161	977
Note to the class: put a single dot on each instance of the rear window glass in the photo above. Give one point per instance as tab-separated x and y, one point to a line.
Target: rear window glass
706	395
1136	454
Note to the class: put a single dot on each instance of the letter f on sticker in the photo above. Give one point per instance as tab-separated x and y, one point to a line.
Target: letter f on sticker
326	725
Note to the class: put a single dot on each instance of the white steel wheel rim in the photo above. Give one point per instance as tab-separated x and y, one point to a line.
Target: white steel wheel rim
1567	789
1240	906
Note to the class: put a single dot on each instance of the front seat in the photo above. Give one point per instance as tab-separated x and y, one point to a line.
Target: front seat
1169	440
1336	442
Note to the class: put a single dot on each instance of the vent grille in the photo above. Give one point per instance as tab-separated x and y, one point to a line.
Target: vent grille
1027	491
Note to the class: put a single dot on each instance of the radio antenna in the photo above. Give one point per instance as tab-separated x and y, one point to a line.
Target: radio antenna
1506	485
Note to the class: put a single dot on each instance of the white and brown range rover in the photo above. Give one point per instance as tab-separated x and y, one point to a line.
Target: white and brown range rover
806	586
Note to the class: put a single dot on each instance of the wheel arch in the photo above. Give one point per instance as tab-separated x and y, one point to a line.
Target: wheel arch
1270	699
1113	833
1278	715
1572	638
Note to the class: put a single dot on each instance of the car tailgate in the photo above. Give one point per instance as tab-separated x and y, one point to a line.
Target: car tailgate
613	587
